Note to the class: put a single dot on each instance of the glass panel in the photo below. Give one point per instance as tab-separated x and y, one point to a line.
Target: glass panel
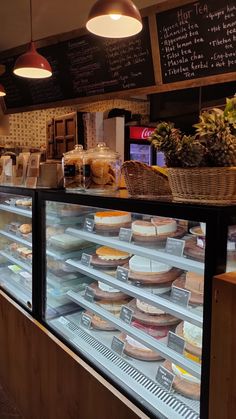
231	249
16	246
140	152
127	290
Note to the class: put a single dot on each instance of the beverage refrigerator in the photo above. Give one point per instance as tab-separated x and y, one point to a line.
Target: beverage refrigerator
137	146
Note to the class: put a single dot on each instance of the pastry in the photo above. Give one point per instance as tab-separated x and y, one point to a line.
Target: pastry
25	228
24	202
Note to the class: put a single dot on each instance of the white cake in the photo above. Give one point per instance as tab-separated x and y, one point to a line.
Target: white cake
192	334
142	264
164	225
181	373
106	288
156	227
143	228
148	308
136	344
112	217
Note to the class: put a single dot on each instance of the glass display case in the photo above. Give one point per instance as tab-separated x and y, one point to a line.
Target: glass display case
128	289
16	246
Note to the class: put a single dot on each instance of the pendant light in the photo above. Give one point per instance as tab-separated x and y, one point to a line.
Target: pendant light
2	91
114	19
31	64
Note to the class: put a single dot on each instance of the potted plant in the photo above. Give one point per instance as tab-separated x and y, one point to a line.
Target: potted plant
202	167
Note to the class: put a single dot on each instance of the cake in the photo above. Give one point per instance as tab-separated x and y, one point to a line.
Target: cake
181	373
157	226
109	258
147	266
112	218
194	282
114	307
108	253
148	308
192	334
106	288
164	225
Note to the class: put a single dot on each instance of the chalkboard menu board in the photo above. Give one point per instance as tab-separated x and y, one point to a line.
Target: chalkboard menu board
84	66
197	40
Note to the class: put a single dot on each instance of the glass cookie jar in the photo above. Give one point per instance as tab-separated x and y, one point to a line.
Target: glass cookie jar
76	171
105	168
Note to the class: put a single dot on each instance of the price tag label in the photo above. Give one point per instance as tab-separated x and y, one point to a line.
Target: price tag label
175	246
126	314
176	343
122	274
165	378
180	296
86	259
86	321
14	268
89	294
125	234
117	345
89	225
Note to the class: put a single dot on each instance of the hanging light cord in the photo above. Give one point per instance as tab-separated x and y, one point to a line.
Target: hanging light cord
31	24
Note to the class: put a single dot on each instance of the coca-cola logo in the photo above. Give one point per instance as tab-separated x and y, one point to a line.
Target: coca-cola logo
146	133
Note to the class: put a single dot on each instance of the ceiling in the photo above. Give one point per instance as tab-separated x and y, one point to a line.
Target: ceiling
49	17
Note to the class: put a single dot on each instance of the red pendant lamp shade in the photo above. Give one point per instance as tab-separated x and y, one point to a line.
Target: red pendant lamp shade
114	19
32	65
2	91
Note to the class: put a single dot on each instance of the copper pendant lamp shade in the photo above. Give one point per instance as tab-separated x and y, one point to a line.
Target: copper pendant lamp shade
32	65
114	19
2	91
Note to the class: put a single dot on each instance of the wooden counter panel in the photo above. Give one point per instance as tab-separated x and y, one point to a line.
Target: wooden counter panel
46	379
223	348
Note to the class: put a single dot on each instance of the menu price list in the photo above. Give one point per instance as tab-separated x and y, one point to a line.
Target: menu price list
197	40
98	66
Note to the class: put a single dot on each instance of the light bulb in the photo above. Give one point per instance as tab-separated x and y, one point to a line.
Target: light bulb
115	17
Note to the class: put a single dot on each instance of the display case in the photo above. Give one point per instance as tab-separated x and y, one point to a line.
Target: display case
16	244
128	286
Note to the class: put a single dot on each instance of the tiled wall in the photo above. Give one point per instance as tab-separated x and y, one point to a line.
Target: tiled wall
28	129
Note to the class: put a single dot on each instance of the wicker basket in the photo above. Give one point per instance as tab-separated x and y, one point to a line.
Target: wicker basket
142	180
210	185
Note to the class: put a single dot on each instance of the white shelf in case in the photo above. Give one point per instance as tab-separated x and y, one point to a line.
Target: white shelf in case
136	292
15	238
16	210
158	255
16	261
190	366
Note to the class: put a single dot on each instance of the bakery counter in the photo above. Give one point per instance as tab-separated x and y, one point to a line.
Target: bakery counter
126	284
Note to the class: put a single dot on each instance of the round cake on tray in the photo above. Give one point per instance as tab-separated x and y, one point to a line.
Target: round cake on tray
146	271
194	283
111	221
184	382
151	320
155	230
108	258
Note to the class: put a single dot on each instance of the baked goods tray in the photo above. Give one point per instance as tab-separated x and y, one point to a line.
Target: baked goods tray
134	374
16	210
158	255
16	261
137	292
15	237
150	342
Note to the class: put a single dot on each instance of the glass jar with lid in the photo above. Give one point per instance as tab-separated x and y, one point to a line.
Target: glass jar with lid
105	168
76	174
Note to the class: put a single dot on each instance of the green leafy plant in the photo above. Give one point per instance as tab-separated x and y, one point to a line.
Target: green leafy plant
214	143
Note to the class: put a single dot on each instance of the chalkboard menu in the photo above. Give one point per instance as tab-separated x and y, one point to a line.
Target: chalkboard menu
197	40
84	66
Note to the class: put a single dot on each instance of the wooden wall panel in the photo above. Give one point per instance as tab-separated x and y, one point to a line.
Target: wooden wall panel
46	379
223	348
